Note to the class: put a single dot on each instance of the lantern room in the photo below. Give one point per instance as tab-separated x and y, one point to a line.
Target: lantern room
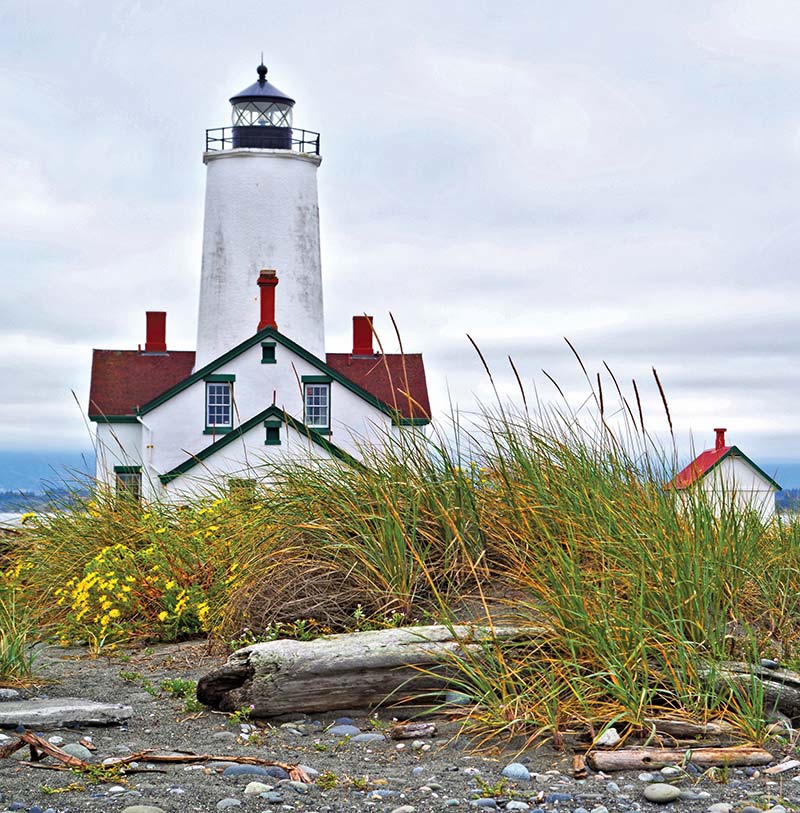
262	116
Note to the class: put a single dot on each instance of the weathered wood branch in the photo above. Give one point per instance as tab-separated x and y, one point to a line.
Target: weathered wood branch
349	671
639	758
781	687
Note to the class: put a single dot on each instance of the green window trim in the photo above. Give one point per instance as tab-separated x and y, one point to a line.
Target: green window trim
113	419
220	378
127	469
316	379
217	430
268	353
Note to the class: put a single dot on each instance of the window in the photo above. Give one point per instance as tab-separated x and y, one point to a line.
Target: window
273	433
219	404
268	353
317	397
129	482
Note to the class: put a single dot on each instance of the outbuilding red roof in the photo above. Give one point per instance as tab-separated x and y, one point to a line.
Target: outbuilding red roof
123	380
700	466
396	379
707	460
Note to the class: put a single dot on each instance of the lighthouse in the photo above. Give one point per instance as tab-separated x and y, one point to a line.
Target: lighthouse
260	390
261	211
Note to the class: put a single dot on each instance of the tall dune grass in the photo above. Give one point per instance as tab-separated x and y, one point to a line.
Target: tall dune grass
554	519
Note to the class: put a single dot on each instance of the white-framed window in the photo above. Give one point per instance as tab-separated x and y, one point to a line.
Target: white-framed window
219	404
317	404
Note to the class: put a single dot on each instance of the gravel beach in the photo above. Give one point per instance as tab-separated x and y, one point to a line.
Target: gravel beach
352	765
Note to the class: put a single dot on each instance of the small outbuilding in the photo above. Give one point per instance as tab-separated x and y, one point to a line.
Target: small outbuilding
726	473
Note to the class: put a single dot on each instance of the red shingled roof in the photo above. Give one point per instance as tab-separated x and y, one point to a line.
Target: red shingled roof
706	461
391	378
125	379
701	465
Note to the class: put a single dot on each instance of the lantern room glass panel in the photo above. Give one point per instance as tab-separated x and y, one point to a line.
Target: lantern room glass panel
261	114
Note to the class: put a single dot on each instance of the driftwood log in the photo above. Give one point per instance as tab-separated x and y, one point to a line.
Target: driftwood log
635	759
348	671
781	687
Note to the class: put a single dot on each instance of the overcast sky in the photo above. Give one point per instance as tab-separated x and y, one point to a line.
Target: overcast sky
623	174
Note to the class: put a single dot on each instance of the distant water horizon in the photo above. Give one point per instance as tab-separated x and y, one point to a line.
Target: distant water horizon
39	470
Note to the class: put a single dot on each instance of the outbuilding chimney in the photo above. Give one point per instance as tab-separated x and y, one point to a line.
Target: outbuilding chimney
362	336
720	443
267	280
156	341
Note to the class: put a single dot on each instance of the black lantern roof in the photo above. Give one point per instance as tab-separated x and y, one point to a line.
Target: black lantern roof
262	91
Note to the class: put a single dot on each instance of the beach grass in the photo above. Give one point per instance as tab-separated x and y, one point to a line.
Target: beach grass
532	515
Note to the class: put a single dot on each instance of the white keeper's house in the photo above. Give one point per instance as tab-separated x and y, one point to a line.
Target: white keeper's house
260	386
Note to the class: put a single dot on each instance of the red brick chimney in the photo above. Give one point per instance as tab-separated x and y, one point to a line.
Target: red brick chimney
720	443
156	341
267	280
362	336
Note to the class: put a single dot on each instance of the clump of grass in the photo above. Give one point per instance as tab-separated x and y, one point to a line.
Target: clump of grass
16	637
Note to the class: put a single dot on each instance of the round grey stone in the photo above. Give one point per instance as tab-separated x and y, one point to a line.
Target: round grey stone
224	804
369	736
516	804
75	749
661	793
144	809
344	731
404	809
516	771
720	807
245	770
255	788
271	798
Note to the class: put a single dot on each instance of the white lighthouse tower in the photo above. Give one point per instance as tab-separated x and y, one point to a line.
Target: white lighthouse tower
261	211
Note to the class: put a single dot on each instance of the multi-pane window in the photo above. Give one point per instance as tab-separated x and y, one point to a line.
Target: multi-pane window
262	114
218	404
129	482
318	405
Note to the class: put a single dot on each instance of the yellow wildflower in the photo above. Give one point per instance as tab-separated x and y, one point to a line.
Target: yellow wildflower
163	615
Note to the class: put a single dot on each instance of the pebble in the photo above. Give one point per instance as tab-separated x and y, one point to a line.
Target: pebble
404	809
255	788
369	736
769	663
486	802
223	735
661	793
299	787
609	737
144	809
599	809
646	777
516	804
558	797
749	809
344	730
245	770
671	771
720	807
9	694
75	749
271	797
516	771
224	804
456	803
612	787
56	740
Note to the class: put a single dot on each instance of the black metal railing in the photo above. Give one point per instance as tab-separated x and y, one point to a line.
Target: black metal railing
223	138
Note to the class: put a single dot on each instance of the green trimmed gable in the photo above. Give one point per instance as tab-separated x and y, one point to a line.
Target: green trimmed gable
271	334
